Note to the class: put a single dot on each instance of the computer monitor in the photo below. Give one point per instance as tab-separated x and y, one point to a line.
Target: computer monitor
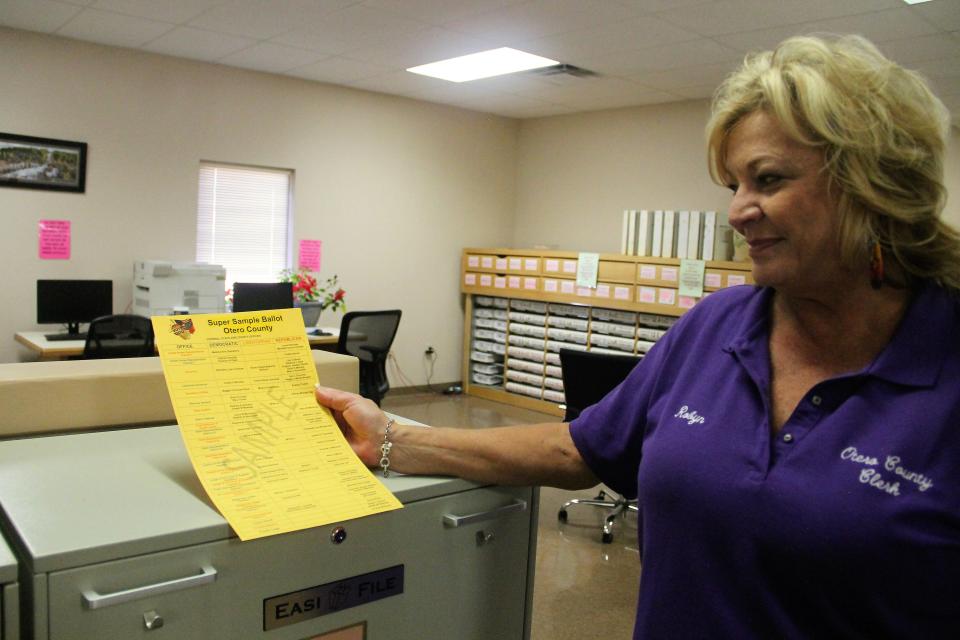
71	302
261	296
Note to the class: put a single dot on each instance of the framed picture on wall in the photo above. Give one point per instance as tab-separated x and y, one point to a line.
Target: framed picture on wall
42	163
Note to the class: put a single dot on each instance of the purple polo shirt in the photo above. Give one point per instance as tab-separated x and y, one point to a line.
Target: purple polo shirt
846	524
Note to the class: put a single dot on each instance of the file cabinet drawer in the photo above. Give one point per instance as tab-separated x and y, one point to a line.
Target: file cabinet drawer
408	573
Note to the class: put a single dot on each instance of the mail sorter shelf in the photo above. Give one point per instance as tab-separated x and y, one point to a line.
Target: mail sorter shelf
106	522
647	285
524	305
513	345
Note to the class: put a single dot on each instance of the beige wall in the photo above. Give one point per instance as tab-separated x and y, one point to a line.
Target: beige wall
577	173
393	187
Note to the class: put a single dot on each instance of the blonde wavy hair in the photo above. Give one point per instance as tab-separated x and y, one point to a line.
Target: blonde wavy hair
883	136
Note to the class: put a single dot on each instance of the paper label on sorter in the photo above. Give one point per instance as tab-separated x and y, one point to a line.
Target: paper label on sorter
270	458
588	265
691	278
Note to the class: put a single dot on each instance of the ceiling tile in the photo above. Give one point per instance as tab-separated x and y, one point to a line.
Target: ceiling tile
361	23
704	91
187	42
114	29
632	33
614	90
400	82
340	70
878	26
731	16
704	75
943	14
439	12
174	11
541	18
36	15
686	54
323	43
757	40
274	58
429	45
497	103
521	82
644	50
946	85
940	67
265	19
588	102
911	50
652	6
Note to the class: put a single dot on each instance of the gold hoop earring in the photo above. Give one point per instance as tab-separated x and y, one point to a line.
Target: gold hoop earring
876	266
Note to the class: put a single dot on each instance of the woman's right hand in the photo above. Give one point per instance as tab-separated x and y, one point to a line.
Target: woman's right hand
361	421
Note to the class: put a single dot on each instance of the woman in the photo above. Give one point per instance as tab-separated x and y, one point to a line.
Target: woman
795	445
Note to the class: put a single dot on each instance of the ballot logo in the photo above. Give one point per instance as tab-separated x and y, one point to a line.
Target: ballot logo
183	328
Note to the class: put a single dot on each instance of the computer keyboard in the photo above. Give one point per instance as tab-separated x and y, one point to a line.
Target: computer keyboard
57	337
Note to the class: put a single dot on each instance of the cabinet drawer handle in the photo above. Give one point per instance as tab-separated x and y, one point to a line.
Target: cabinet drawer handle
450	520
94	600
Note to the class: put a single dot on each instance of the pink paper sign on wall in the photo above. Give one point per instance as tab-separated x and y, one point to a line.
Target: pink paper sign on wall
54	239
310	254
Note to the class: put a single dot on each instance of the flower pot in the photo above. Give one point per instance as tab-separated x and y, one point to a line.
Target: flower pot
311	312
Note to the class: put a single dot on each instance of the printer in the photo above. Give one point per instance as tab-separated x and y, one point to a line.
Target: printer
162	288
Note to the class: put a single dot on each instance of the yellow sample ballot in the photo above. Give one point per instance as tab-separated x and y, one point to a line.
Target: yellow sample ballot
270	458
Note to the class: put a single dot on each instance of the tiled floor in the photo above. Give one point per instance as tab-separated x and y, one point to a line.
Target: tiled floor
583	588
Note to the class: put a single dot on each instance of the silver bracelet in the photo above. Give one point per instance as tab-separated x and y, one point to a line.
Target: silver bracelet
385	449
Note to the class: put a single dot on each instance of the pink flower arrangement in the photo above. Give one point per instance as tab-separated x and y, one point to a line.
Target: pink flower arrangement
306	288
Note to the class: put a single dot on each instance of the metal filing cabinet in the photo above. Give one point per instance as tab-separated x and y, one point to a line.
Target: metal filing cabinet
120	542
9	597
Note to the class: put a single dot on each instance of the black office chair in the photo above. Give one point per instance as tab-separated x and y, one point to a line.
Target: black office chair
119	336
587	378
368	336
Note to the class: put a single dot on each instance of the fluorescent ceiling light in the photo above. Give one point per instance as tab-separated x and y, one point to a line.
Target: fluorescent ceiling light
916	1
484	64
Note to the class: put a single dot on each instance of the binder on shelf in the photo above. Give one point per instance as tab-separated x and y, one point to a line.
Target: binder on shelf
683	231
644	241
669	232
626	234
693	235
709	234
657	240
723	238
632	231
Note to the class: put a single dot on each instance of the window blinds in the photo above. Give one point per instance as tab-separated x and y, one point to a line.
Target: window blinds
243	217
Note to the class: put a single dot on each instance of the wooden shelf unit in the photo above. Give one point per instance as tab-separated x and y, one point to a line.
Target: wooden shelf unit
639	285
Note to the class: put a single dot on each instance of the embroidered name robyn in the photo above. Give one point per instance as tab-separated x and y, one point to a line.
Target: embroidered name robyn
875	479
692	417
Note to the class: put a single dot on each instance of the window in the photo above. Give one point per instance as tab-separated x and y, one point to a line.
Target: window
243	221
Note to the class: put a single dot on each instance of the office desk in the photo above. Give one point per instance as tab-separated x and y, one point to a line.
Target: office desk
9	600
106	512
64	349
